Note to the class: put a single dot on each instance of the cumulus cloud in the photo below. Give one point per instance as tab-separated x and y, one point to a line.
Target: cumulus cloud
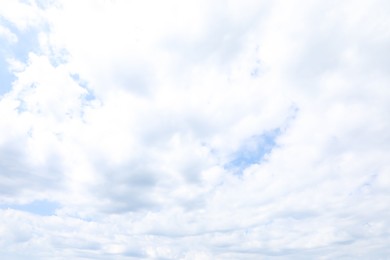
195	130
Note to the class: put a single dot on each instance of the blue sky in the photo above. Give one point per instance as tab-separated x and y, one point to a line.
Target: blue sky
194	129
253	150
27	41
38	207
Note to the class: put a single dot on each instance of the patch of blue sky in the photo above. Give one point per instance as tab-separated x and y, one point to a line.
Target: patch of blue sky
27	42
253	150
89	96
84	84
37	207
6	76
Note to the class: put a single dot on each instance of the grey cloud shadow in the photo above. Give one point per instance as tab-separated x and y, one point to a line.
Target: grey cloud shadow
125	188
18	175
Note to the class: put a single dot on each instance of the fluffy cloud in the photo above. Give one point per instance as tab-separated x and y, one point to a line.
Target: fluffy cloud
197	130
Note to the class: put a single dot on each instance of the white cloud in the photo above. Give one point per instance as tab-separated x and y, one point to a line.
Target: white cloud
8	35
21	14
198	130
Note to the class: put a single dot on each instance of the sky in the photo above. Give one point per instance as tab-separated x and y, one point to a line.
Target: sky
232	129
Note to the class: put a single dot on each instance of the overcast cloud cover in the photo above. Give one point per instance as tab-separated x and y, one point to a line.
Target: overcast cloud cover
194	129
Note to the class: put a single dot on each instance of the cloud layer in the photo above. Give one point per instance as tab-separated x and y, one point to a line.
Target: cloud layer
194	130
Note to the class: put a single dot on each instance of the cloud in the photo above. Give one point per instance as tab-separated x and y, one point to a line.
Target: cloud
197	130
8	35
